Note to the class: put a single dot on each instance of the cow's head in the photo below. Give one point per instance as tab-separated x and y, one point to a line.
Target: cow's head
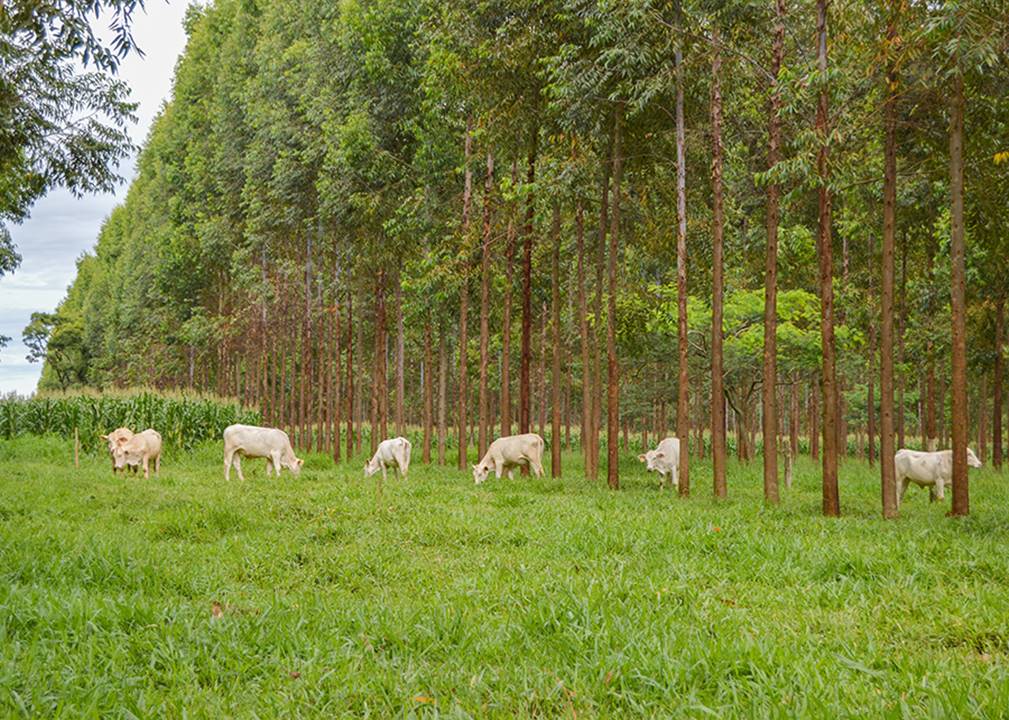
371	467
123	457
294	465
972	460
116	438
480	473
650	458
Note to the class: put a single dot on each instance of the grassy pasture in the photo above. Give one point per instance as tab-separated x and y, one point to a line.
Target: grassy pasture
184	596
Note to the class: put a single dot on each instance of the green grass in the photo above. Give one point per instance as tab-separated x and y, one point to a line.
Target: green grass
524	598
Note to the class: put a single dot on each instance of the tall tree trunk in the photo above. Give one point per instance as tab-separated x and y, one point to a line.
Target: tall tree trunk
525	409
463	399
506	319
350	370
428	397
996	415
902	324
831	501
870	405
793	416
597	365
555	321
583	329
485	268
961	497
717	278
770	420
400	351
982	419
813	424
378	392
886	449
336	401
613	369
442	396
683	348
541	371
930	385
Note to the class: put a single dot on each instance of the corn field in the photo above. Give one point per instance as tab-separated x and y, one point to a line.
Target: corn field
182	419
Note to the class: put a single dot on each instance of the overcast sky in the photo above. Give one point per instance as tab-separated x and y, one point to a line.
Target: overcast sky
62	227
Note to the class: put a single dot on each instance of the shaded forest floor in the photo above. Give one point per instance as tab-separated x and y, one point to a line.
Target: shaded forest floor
310	596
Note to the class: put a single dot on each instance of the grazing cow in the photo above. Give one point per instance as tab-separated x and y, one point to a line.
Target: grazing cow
507	453
258	442
933	470
116	438
140	449
665	460
394	453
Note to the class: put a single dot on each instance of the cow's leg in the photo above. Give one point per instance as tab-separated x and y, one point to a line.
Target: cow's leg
228	457
904	482
940	490
537	467
499	468
238	467
269	467
147	468
275	459
157	465
511	473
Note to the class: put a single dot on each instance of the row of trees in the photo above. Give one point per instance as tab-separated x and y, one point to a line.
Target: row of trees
782	192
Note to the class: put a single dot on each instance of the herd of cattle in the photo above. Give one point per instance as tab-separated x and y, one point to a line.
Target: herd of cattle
933	470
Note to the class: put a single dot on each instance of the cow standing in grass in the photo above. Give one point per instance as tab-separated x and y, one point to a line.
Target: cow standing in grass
114	439
933	470
392	453
258	442
507	453
140	450
665	460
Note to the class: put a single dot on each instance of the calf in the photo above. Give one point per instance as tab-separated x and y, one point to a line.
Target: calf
140	449
394	453
258	442
114	439
933	470
665	460
507	453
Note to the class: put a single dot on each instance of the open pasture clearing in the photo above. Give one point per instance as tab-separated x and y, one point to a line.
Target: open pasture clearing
186	596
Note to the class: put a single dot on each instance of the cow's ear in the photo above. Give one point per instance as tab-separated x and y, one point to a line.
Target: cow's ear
659	454
104	437
300	462
641	458
476	467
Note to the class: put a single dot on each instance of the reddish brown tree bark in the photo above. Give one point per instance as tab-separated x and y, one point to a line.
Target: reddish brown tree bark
485	274
555	322
525	408
463	399
717	278
583	329
770	417
996	415
831	500
886	449
683	349
613	368
506	318
961	495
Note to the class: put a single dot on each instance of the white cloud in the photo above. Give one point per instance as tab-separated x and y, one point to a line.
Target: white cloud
62	227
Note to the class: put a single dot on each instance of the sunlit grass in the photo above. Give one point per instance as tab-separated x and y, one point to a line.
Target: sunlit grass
514	598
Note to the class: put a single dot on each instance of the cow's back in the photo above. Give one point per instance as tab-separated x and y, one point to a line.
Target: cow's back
518	447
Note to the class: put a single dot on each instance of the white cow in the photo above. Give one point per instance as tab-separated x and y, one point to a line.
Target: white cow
258	442
140	450
933	470
665	460
507	453
394	453
114	439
